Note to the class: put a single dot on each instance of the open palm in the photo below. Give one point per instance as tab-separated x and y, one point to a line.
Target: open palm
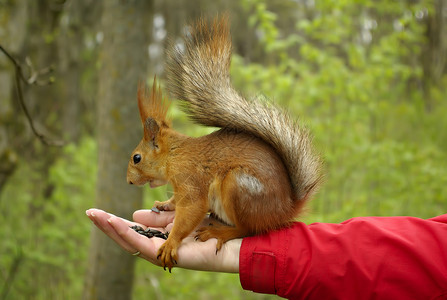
192	254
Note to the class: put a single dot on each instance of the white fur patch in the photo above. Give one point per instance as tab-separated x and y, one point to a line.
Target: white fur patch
250	183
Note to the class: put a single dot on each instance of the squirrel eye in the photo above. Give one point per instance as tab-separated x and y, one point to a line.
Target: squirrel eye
136	158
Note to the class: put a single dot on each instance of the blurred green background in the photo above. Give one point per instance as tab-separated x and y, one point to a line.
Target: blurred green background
367	77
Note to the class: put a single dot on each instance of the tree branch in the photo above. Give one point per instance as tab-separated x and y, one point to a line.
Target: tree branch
33	79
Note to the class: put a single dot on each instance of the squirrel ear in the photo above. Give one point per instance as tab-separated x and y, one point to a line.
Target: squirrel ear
151	132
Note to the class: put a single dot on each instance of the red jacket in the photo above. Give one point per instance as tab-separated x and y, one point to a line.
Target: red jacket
361	258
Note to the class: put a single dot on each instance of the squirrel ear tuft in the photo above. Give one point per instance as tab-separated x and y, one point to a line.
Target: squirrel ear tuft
143	100
151	132
151	102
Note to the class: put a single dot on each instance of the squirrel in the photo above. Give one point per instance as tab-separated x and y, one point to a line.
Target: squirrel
254	174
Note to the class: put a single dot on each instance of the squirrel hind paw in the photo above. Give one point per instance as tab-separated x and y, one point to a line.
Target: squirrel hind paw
223	233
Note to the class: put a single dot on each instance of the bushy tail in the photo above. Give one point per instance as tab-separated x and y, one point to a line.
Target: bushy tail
198	75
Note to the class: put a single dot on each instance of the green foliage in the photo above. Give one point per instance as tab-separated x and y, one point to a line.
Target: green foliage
154	283
45	228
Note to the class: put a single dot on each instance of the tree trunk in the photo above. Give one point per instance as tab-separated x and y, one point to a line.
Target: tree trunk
70	47
434	55
79	21
123	58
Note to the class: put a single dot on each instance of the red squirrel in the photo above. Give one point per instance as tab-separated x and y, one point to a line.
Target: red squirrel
254	174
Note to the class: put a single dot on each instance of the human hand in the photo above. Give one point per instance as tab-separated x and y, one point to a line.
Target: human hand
192	254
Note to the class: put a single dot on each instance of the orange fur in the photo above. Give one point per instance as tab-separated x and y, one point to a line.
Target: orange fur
218	33
254	174
209	169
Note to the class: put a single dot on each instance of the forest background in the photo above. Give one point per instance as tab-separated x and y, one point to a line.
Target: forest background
367	76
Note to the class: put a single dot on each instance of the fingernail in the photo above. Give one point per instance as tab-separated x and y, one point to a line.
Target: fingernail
109	220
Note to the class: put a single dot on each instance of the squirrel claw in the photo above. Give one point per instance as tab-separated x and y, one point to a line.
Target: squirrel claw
219	245
168	255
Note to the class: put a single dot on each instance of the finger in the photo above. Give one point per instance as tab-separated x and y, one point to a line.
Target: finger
100	219
153	219
93	213
147	247
97	214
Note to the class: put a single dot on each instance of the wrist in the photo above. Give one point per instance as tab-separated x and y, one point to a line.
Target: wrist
229	261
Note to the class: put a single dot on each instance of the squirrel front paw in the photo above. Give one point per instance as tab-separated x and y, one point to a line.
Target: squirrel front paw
163	206
168	254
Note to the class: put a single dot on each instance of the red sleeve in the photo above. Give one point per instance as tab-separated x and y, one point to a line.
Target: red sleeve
361	258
